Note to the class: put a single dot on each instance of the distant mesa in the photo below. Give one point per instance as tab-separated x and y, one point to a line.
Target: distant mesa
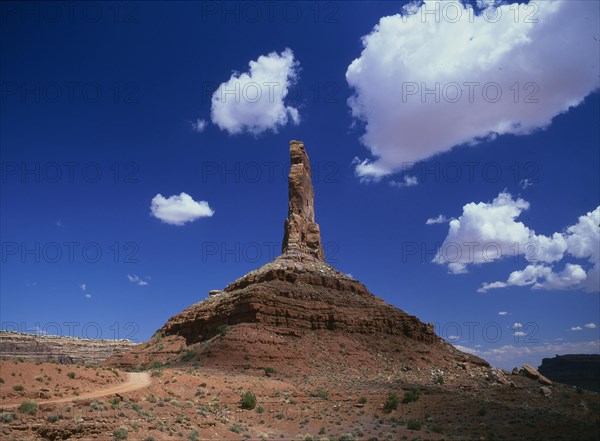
581	370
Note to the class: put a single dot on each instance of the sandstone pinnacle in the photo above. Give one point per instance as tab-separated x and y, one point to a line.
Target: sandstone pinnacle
301	233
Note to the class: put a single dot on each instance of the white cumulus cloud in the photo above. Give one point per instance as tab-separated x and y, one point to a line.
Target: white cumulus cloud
576	328
590	325
489	231
178	210
425	83
253	101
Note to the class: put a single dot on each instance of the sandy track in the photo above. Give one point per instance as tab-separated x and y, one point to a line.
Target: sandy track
135	381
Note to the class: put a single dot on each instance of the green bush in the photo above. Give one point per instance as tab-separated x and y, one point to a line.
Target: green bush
269	371
120	433
321	393
235	428
413	425
194	436
362	400
18	388
222	330
391	403
7	417
53	418
248	400
411	395
71	375
189	355
28	407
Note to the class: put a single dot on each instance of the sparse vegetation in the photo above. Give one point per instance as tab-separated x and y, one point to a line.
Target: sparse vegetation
411	395
391	403
439	380
53	418
7	417
222	330
321	393
248	400
189	355
71	375
18	388
28	407
362	400
120	433
270	371
194	436
413	425
235	428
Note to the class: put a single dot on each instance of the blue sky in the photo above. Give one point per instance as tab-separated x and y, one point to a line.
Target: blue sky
105	106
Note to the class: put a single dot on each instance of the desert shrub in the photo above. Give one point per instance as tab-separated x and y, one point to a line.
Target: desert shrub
308	437
222	330
71	375
321	393
97	405
248	400
1	380
235	428
411	395
149	438
28	407
53	418
362	400
18	388
120	433
260	409
413	425
38	378
439	380
156	373
189	355
269	371
391	403
7	417
346	437
194	436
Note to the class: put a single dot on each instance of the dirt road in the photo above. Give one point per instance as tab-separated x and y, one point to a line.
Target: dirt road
135	381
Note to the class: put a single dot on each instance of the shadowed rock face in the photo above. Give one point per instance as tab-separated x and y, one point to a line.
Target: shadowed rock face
301	233
581	370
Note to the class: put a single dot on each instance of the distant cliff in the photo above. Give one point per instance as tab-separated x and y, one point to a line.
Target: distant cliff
36	347
581	370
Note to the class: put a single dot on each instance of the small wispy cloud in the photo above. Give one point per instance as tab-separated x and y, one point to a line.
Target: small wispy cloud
137	280
408	181
59	223
516	325
86	294
590	325
199	125
502	312
576	328
441	219
519	334
525	183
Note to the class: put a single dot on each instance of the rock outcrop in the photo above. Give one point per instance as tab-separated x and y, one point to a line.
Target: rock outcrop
301	233
298	295
16	345
582	370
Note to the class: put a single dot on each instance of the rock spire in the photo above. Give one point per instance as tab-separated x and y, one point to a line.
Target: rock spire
301	233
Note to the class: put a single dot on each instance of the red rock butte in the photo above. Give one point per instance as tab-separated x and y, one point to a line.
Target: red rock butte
299	296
